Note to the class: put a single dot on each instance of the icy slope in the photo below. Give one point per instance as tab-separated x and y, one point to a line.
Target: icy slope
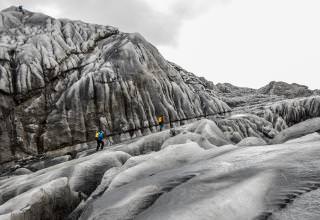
244	183
175	177
60	80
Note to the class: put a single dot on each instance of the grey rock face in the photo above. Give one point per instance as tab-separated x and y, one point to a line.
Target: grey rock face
274	88
240	126
290	112
61	80
242	97
229	89
287	90
252	100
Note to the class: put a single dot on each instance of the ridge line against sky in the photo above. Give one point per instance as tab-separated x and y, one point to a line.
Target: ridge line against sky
244	42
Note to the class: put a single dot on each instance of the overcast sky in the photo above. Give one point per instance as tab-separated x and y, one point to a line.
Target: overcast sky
243	42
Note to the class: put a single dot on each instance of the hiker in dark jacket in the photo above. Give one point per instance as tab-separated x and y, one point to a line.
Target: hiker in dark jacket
99	138
20	9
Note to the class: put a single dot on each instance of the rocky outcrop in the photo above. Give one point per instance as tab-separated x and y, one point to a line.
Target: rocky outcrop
267	121
61	80
232	90
289	112
240	126
287	90
242	97
244	102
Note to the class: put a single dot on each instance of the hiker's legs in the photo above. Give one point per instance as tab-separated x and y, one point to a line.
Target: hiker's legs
102	145
98	145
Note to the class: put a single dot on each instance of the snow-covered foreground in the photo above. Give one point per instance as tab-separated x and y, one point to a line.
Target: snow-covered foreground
182	177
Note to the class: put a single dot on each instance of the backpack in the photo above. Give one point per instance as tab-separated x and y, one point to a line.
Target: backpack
100	136
97	135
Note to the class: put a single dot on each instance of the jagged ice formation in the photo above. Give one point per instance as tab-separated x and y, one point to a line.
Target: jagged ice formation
61	80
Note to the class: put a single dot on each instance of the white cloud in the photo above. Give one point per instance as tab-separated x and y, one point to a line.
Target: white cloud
245	42
251	43
158	21
49	9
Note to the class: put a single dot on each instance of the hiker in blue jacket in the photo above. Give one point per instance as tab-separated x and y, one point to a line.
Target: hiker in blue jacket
99	138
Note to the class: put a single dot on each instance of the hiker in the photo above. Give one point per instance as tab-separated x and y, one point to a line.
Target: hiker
108	140
99	138
160	122
20	9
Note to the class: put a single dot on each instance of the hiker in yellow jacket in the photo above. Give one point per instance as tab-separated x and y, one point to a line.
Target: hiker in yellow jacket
161	122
